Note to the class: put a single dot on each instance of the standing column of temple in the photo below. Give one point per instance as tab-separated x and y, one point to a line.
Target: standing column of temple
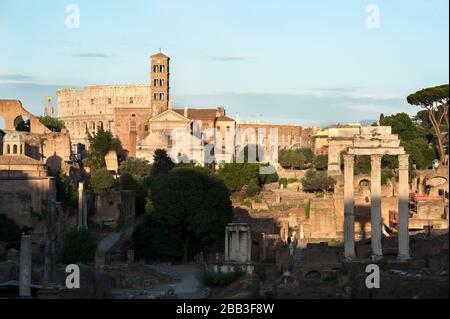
375	209
50	246
249	245
80	206
235	245
349	208
25	267
227	251
403	208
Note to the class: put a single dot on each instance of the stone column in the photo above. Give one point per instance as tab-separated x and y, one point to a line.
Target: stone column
80	205
249	246
227	251
85	211
25	267
50	246
349	208
375	208
403	208
235	245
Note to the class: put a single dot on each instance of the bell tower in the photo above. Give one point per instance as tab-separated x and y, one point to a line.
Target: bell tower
159	77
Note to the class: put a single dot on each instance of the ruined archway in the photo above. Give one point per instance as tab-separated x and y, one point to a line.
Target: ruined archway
10	110
22	123
313	275
2	123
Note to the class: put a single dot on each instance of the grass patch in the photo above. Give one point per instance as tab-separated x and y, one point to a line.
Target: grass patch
212	279
308	210
246	203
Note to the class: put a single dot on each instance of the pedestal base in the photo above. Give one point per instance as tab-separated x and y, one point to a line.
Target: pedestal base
403	258
376	257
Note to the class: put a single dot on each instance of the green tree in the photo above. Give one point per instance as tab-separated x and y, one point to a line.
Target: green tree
52	123
321	162
79	246
100	144
402	125
141	186
191	209
362	164
237	175
296	159
162	163
256	152
101	180
269	178
136	167
413	137
66	192
420	153
21	124
9	231
315	181
435	101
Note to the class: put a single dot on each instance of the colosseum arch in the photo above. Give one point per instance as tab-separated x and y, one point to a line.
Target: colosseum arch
11	109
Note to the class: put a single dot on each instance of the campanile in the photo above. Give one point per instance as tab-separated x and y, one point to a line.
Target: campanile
159	78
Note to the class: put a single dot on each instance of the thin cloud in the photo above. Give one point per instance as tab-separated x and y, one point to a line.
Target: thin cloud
16	77
93	55
229	58
377	96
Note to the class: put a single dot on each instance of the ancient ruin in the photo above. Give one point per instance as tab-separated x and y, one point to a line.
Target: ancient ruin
376	142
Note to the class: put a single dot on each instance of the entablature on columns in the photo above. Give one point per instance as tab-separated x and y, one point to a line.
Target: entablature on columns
358	151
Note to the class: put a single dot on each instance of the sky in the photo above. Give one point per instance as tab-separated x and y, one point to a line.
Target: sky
300	62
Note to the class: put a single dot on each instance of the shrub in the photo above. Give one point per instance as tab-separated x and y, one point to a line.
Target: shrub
246	203
308	210
120	221
283	181
101	180
321	162
9	231
252	189
52	123
317	181
221	279
237	175
79	246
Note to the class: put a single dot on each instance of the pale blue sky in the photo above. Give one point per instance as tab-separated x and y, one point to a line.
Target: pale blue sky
299	62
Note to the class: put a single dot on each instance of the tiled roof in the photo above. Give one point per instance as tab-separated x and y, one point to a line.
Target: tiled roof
18	160
160	54
225	119
198	114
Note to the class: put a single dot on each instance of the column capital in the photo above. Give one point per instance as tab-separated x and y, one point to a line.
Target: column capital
376	158
349	159
403	161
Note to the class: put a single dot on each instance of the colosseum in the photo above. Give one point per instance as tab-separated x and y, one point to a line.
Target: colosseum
122	109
